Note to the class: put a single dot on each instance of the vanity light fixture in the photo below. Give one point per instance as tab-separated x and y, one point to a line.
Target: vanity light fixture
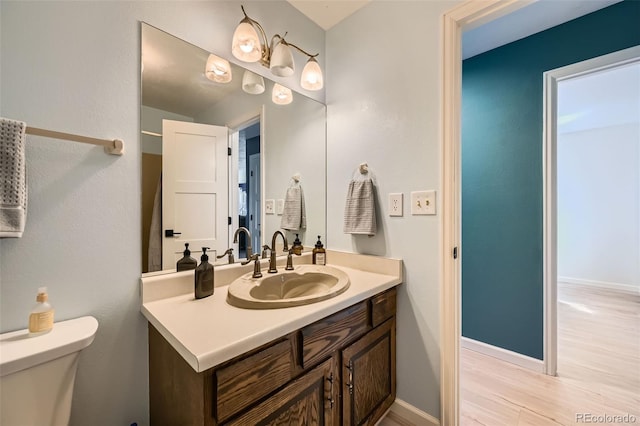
252	83
281	95
218	69
250	44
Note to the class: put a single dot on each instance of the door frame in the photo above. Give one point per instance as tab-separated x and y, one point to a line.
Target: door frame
234	125
467	15
550	184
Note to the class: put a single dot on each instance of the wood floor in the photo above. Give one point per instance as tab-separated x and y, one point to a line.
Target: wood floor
598	369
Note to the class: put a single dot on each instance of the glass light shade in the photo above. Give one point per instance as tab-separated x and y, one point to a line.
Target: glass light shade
281	63
218	69
246	43
252	83
281	95
311	78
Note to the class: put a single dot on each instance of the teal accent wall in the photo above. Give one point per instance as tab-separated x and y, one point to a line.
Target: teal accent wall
502	289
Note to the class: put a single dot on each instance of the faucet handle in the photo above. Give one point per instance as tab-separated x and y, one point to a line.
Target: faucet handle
264	251
228	252
251	258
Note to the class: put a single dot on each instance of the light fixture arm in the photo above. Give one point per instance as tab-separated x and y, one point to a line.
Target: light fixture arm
299	49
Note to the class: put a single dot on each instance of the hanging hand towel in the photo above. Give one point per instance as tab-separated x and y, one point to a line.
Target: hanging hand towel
360	209
13	178
294	215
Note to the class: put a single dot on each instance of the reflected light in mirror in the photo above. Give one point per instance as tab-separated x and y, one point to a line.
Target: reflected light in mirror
252	83
281	95
311	78
218	69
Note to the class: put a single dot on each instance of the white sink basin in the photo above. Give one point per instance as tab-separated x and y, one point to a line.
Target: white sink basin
304	285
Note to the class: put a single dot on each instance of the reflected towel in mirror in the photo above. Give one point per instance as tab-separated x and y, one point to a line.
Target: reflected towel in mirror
294	216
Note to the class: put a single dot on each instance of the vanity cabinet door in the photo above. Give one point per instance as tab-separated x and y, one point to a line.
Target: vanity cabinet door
369	375
311	399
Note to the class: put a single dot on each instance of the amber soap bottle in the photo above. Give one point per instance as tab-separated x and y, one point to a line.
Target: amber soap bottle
319	255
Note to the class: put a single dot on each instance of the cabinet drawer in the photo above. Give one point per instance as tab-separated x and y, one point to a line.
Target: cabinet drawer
243	382
321	338
383	307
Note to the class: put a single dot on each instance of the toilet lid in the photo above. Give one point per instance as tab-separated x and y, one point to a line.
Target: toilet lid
19	351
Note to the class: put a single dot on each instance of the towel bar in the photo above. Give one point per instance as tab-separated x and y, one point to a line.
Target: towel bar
113	147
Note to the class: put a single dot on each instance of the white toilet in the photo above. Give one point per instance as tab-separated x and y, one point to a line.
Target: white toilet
37	373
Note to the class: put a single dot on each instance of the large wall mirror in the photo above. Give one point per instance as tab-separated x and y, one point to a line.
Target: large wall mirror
219	154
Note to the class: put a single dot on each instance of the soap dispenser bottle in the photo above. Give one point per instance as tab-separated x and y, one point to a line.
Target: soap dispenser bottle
187	262
297	246
204	276
41	316
319	253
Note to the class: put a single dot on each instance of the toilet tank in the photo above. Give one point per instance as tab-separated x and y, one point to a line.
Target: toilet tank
37	374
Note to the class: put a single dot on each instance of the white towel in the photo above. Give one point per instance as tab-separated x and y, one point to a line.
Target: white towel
294	215
360	209
13	178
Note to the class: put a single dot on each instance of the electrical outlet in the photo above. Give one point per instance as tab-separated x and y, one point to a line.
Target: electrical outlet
423	202
280	207
395	204
269	206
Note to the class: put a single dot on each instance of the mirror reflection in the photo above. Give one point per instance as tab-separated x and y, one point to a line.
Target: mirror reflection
224	149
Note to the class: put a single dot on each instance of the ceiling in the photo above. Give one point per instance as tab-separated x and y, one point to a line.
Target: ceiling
327	13
533	18
538	16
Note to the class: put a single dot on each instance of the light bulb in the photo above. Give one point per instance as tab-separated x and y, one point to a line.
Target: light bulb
311	78
246	43
281	95
218	69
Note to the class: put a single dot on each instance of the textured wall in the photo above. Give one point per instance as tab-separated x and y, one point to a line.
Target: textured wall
383	108
74	66
502	172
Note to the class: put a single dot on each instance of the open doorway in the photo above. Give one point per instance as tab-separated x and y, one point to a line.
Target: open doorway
249	185
470	14
597	143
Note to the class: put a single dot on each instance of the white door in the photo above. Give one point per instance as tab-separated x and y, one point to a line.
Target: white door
254	202
194	189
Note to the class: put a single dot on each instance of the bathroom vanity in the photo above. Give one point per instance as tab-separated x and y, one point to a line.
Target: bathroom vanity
330	362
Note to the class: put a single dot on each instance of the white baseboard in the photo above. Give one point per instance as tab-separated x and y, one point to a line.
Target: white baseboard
406	414
503	354
629	288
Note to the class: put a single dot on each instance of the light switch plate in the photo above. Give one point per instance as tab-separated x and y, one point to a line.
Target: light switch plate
269	206
395	204
423	202
280	207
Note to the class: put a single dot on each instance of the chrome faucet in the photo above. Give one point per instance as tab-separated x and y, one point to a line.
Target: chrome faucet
246	231
272	260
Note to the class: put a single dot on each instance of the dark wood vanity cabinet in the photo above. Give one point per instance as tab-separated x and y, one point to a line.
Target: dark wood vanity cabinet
337	371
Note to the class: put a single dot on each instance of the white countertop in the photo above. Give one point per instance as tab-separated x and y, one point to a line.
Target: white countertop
209	331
